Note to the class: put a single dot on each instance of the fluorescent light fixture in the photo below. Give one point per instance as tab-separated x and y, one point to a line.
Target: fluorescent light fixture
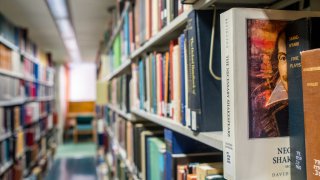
71	44
58	8
75	56
65	28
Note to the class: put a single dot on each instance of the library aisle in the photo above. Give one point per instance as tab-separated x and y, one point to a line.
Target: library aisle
159	89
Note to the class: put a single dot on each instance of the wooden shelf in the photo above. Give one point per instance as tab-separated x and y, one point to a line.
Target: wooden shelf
127	116
120	70
5	136
213	139
5	167
9	44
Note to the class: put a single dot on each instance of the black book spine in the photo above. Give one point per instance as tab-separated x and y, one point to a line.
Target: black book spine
193	66
301	35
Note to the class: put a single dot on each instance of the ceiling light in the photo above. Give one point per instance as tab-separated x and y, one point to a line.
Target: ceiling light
58	8
71	44
65	28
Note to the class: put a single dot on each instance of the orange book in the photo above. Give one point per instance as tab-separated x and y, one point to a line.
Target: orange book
148	19
311	99
166	84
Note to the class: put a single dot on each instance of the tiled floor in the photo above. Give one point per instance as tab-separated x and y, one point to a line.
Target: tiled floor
74	162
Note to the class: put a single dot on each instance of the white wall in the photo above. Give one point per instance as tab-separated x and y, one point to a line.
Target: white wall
82	82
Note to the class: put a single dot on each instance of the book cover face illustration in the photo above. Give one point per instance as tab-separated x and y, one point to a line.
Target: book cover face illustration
267	79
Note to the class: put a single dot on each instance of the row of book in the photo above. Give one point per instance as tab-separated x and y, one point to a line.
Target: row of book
30	161
118	93
13	88
158	153
19	37
141	21
11	61
15	117
178	83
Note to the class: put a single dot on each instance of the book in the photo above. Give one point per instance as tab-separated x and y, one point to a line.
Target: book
176	63
300	36
255	103
145	135
178	145
310	61
205	169
155	155
204	92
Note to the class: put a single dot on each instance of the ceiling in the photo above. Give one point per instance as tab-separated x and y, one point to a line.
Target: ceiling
89	18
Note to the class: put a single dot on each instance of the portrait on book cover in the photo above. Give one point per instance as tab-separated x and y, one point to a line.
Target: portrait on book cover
267	79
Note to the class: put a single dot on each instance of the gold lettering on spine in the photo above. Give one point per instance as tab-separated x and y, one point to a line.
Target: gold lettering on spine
193	66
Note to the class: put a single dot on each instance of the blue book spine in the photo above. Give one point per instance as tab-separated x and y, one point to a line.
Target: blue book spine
183	100
154	83
306	30
141	84
126	33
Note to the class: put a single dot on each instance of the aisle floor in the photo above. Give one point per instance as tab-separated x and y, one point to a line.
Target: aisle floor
74	162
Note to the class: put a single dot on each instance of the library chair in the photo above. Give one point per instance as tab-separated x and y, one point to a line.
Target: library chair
84	125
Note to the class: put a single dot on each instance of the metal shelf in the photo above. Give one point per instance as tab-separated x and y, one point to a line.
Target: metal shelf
118	27
13	102
123	155
127	116
11	74
213	139
5	136
120	70
8	44
163	34
5	167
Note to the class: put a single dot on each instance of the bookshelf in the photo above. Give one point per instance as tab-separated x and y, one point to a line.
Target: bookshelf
120	70
122	154
27	88
213	139
127	116
5	167
158	43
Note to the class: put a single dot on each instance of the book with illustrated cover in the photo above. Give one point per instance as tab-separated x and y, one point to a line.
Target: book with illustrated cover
301	35
254	91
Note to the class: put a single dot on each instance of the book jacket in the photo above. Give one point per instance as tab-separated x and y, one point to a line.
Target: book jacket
255	93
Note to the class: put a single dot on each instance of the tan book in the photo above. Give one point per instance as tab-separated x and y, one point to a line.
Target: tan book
176	84
311	99
205	169
155	17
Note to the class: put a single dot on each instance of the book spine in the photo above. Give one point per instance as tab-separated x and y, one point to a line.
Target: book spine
295	32
154	82
195	104
182	74
311	99
227	73
186	79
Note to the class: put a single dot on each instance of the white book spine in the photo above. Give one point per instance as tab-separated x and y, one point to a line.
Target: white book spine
227	57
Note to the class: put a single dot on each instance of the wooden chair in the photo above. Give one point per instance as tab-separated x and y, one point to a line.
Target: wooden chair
84	125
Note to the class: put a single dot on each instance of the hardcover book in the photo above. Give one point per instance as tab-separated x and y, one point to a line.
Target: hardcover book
204	89
310	61
255	98
300	35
